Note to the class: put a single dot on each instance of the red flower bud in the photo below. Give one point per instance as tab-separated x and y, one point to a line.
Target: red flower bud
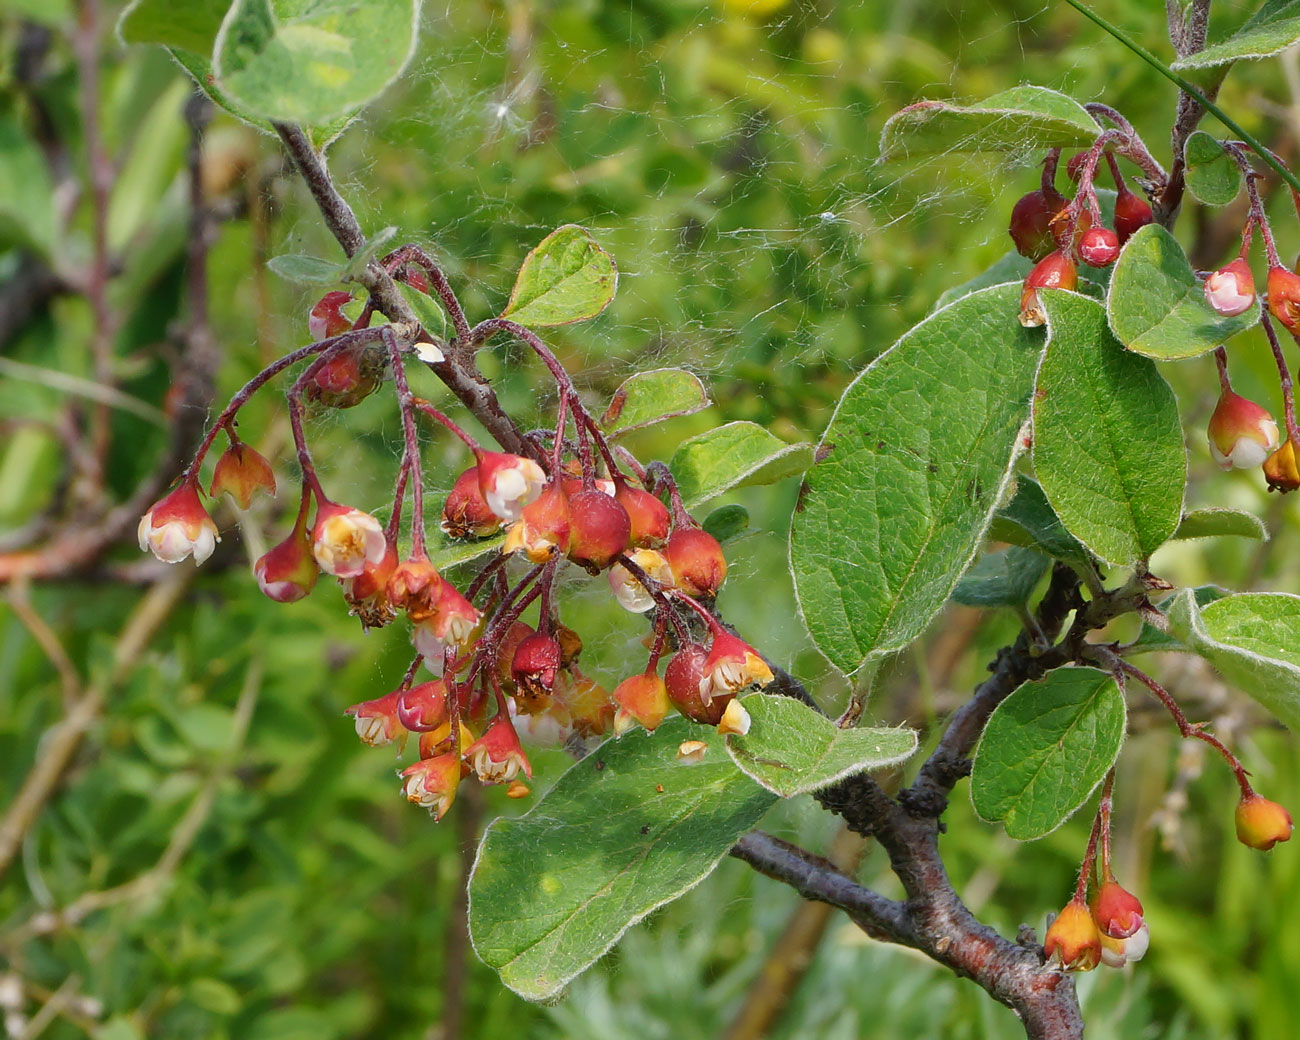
1131	213
288	572
1280	470
543	527
240	472
1099	247
466	513
1073	942
377	722
1261	824
1030	227
648	516
346	378
367	593
327	318
1074	168
453	622
599	529
1056	271
1242	434
508	482
535	664
1116	911
683	676
641	699
1231	289
177	525
497	756
732	665
432	782
1284	297
697	563
423	708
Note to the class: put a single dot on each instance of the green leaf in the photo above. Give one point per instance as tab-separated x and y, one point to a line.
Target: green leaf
1045	748
1216	522
1108	446
1028	520
791	749
735	455
427	310
566	278
1021	120
1002	579
1152	639
1157	307
727	522
917	456
358	261
26	192
54	13
306	270
1270	30
1253	640
447	552
312	61
1010	267
1212	175
190	25
640	828
651	397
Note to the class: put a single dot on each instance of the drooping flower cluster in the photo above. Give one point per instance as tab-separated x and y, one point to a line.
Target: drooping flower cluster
501	659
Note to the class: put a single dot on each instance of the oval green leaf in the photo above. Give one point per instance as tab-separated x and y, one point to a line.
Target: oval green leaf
1002	579
306	270
1028	520
1022	120
1270	30
1252	639
427	310
566	278
640	828
727	522
191	25
1045	748
791	749
1212	176
738	454
1157	306
1216	522
312	61
1108	445
651	397
27	215
916	458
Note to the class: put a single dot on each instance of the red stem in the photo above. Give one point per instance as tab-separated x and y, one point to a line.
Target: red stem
411	455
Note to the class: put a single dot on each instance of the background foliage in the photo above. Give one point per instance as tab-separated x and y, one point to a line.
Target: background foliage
725	154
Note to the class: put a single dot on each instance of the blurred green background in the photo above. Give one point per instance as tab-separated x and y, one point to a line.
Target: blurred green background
224	859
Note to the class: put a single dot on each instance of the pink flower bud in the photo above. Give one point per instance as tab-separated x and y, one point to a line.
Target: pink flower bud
731	666
288	572
648	516
641	699
345	540
377	722
466	513
497	756
1131	213
535	664
543	527
599	529
1231	289
509	482
1261	824
327	318
177	526
414	586
1241	433
423	708
697	563
1056	271
1284	296
1072	942
1099	247
432	782
1115	953
1116	911
347	377
240	472
454	622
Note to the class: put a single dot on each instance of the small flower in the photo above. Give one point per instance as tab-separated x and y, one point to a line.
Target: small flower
1116	911
1115	953
241	472
599	529
497	756
1242	434
431	783
735	719
423	708
534	666
508	482
1056	271
1284	296
414	587
641	699
1231	289
326	318
288	572
1280	471
683	677
454	622
732	665
466	513
177	526
628	590
648	516
1073	942
697	563
377	721
1261	823
346	539
367	593
542	529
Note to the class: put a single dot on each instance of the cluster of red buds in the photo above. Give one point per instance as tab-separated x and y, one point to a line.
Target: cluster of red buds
577	500
1059	233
